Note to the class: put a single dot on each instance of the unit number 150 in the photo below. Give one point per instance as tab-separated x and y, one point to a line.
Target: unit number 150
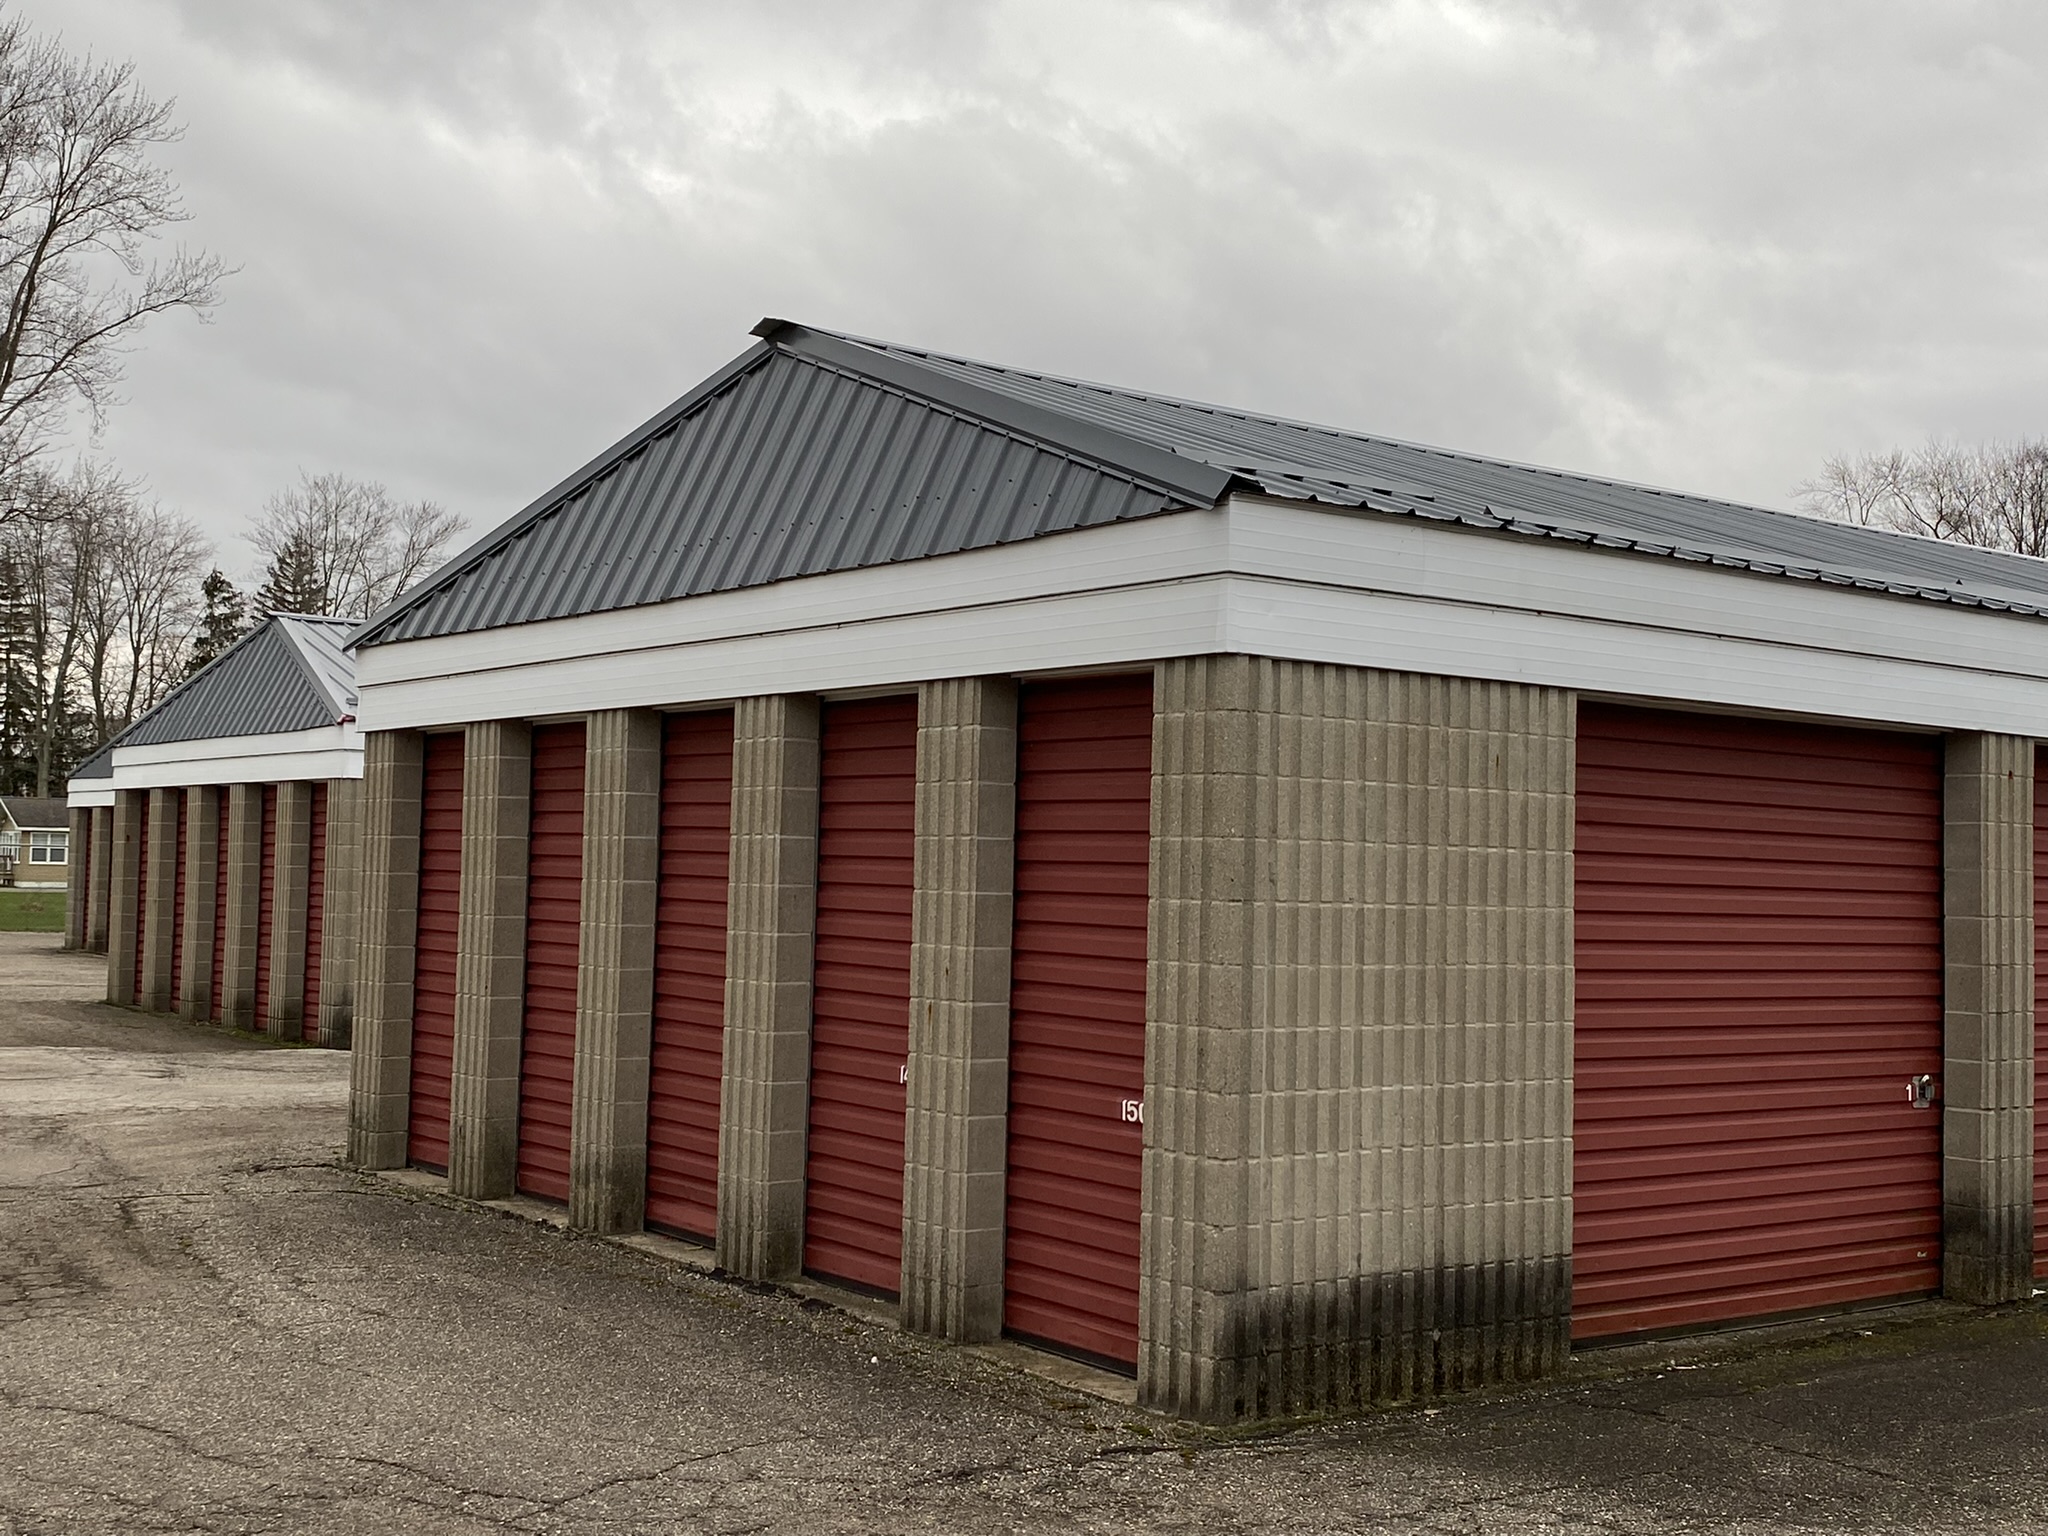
1131	1111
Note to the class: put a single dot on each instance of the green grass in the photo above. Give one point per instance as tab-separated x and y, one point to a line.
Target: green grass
31	911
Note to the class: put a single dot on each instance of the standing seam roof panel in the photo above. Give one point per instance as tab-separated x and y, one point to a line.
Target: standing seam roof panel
794	468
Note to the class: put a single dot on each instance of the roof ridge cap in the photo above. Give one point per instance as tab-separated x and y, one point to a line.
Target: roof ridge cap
309	668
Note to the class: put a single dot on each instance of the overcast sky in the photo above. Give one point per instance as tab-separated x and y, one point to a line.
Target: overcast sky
481	239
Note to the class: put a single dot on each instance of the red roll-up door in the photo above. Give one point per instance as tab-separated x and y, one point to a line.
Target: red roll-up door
220	897
1759	954
689	974
178	899
433	975
2040	1012
266	890
141	890
554	917
316	899
860	1011
1077	1015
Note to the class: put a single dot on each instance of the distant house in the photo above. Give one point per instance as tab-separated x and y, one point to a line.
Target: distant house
35	841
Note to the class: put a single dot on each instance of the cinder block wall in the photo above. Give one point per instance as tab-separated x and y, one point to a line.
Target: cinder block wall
77	878
1358	1077
380	1059
958	1089
124	894
98	915
340	913
1988	1026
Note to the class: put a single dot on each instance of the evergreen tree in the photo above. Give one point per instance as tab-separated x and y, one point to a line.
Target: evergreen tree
293	582
226	620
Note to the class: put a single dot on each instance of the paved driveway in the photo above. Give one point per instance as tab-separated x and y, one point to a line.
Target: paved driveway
207	1325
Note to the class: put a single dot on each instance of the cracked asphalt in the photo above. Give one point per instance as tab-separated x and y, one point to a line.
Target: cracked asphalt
208	1325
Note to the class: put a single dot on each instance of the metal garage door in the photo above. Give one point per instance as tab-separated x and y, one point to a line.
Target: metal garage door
688	1045
554	915
177	799
266	890
433	977
860	1021
1077	1016
2040	1033
220	898
316	893
1759	977
141	889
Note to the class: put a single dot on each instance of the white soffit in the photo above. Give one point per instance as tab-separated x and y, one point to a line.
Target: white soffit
89	799
1263	577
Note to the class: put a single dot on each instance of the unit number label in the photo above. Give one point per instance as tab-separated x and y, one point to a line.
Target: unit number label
1131	1111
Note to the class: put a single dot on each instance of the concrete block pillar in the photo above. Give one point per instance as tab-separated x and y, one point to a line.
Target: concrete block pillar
288	912
124	904
160	902
770	928
615	972
98	902
202	914
380	1056
1357	1182
490	959
340	913
77	878
242	915
159	934
1988	1108
956	1130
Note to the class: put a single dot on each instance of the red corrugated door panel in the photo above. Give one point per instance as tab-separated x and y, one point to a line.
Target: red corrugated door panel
433	975
2040	1030
220	898
141	889
554	915
860	1011
1077	1015
1759	977
266	889
178	899
316	895
689	974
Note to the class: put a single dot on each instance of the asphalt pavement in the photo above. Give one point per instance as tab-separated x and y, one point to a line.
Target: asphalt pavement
208	1324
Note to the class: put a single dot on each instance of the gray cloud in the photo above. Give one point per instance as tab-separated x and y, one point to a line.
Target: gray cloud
1699	244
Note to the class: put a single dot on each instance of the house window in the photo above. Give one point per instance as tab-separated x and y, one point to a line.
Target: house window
48	847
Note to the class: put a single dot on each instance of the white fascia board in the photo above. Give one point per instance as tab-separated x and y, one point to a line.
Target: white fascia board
101	794
325	752
1417	597
1264	577
1131	592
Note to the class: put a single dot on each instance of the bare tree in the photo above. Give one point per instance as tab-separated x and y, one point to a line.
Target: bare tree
159	560
1995	496
139	603
81	197
342	546
99	599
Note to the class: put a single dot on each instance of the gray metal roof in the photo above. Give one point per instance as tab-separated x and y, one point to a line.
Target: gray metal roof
98	766
289	673
816	451
30	813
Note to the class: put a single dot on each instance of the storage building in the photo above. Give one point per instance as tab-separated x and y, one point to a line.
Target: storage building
1305	918
219	837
